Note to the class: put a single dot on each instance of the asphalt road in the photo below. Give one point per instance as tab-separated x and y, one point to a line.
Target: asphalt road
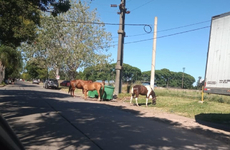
50	119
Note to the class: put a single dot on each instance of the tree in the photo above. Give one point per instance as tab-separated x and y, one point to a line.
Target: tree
35	71
167	78
164	76
57	6
69	42
130	73
11	62
188	81
146	75
97	73
108	72
19	18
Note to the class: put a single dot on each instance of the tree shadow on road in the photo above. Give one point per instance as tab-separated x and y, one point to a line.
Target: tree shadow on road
222	120
50	119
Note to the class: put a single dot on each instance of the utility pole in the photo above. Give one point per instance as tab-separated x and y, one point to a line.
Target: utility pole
153	54
183	78
121	33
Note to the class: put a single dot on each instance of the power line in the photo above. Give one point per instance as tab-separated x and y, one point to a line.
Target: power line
85	22
142	5
166	35
169	35
184	26
169	29
133	25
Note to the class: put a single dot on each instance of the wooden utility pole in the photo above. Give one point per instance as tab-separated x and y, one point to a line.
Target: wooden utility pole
121	33
153	54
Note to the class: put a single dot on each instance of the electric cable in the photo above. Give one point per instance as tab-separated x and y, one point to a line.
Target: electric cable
142	5
165	35
168	29
169	35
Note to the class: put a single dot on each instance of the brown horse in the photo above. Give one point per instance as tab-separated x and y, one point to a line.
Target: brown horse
94	86
143	90
77	84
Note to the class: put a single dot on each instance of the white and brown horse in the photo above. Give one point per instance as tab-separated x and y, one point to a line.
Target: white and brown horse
94	86
143	90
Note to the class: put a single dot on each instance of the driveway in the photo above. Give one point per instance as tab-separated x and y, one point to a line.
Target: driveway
49	119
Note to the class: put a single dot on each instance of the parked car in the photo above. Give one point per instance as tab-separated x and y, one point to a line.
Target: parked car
51	83
145	83
9	81
35	81
148	83
65	83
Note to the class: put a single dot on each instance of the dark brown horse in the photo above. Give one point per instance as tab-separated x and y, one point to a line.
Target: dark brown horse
77	84
94	86
143	90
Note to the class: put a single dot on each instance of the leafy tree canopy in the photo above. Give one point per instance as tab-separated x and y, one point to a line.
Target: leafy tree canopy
108	72
35	69
167	78
11	60
65	42
19	18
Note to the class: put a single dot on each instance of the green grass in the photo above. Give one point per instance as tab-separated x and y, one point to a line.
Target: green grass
215	108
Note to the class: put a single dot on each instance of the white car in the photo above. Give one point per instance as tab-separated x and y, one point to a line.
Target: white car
51	83
9	81
35	81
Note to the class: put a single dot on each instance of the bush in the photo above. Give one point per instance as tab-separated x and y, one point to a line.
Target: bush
3	83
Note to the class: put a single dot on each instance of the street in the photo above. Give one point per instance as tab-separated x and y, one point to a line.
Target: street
51	119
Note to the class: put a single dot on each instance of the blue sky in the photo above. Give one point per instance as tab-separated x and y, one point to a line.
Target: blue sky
188	50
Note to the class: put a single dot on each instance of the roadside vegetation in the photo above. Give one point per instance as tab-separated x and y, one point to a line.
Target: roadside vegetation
215	108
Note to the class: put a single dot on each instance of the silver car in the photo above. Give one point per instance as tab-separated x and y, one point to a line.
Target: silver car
51	83
35	81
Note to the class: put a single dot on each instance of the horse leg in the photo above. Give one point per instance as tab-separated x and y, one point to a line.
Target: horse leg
73	92
131	99
136	101
85	93
147	101
99	95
